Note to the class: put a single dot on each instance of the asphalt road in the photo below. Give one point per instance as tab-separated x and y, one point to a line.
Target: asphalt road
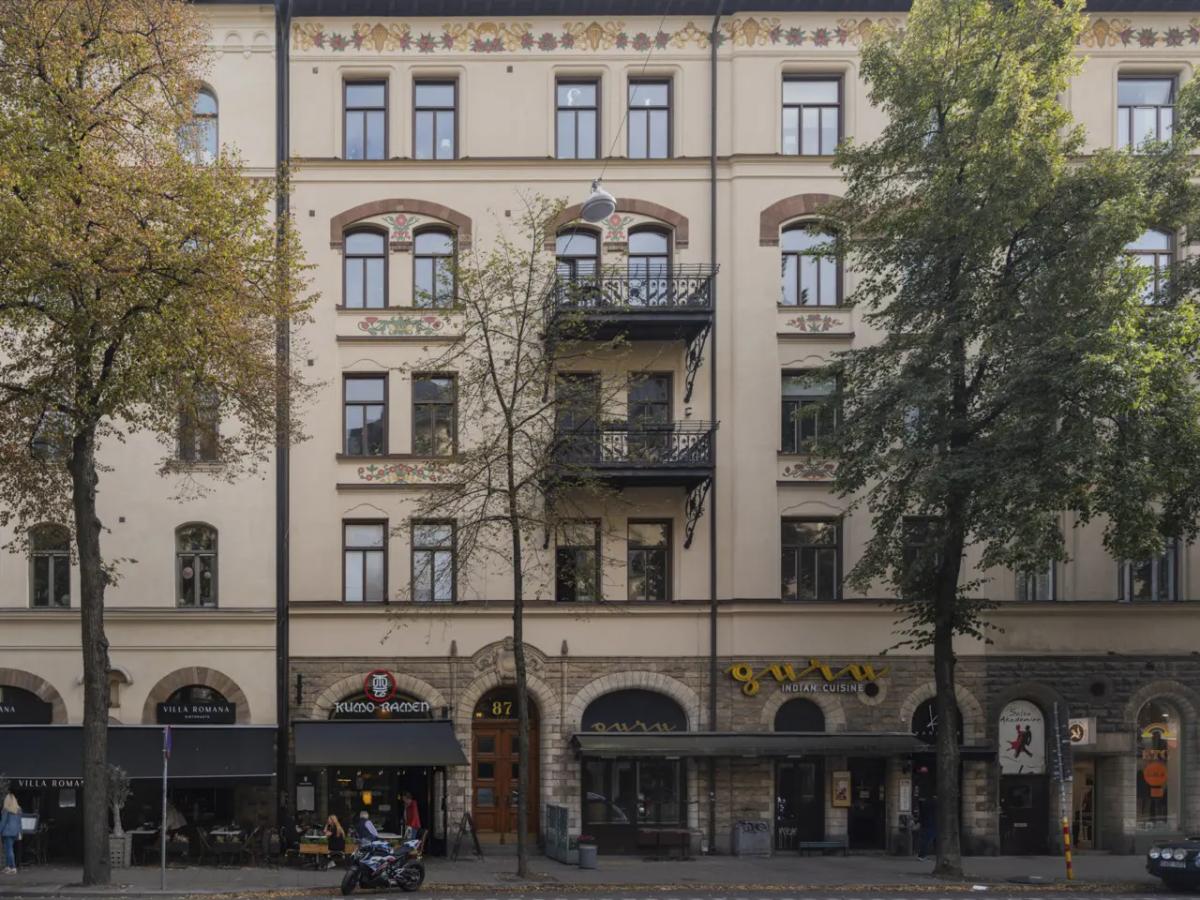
932	892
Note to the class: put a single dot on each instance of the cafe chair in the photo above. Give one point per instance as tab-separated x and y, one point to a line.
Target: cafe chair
204	848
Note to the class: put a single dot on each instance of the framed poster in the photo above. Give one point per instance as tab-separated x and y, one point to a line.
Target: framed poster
841	789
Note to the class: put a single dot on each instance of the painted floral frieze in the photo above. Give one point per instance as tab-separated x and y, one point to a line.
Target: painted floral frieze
816	323
405	326
616	228
809	470
401	225
591	37
423	472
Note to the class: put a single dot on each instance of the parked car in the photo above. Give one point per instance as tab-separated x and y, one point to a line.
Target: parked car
1177	863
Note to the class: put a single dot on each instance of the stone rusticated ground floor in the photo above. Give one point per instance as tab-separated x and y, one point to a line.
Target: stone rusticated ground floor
1112	804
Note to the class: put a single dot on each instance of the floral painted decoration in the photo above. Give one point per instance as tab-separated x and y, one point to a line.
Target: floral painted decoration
810	470
402	225
814	323
423	472
404	326
615	227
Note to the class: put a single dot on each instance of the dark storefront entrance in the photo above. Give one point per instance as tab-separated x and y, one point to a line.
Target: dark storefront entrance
1024	784
867	821
799	782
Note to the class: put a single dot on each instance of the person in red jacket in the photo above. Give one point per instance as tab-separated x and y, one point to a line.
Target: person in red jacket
412	816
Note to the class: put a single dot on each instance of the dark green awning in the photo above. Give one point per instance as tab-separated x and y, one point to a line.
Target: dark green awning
767	744
403	743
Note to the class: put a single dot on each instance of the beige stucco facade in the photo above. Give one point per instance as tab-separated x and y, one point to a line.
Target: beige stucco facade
450	655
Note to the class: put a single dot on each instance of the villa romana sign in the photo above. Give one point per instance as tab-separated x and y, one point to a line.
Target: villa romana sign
818	677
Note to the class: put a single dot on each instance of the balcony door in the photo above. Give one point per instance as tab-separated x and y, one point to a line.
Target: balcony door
649	268
650	417
577	416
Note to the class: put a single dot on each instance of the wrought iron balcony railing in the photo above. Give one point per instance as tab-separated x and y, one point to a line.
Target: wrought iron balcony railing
636	290
676	445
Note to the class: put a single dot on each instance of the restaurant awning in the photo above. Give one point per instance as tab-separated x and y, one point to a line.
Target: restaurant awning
403	743
769	744
208	752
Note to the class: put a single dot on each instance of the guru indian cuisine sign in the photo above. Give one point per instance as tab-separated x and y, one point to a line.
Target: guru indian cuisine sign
817	677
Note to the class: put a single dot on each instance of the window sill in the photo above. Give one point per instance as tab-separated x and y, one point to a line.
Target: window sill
346	457
813	307
180	465
376	310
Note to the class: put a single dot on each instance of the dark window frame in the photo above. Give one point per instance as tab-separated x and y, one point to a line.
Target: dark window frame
593	82
346	110
1027	584
840	106
798	446
839	274
198	439
1160	274
453	404
669	83
1174	552
669	563
195	556
413	550
48	557
215	118
347	256
598	568
347	549
1126	140
572	262
669	376
452	256
418	83
837	547
911	549
346	404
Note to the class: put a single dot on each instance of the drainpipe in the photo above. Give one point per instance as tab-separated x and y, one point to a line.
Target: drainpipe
283	422
712	417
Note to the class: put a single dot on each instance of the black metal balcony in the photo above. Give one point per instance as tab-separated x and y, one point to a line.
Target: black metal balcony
638	303
678	453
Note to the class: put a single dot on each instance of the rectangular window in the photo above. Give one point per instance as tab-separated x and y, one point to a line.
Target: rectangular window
811	559
433	562
435	120
648	561
578	107
628	791
365	415
577	562
922	552
199	431
812	116
808	412
50	563
364	554
434	415
1037	586
1145	110
649	119
1154	579
366	119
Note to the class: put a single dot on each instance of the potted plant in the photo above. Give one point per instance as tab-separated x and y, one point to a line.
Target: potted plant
119	843
587	851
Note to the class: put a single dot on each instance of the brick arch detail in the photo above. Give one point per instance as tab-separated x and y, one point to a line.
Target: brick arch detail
343	687
202	675
677	222
831	706
543	695
461	222
1041	695
771	219
1183	697
974	721
649	681
39	687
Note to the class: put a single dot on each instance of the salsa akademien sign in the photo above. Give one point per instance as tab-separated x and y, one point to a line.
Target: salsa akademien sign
818	677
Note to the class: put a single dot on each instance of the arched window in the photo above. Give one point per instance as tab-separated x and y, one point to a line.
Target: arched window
365	270
800	715
577	252
649	267
196	704
196	566
198	140
1154	252
925	722
21	707
812	275
50	556
433	269
1159	786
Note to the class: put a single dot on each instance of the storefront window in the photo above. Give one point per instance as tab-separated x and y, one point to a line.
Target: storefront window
19	706
632	792
1159	764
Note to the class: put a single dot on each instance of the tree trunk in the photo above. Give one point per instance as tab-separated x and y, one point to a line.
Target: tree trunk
92	580
949	851
522	703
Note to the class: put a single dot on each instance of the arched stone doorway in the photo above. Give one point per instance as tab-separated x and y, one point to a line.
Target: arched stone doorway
799	783
1024	785
494	761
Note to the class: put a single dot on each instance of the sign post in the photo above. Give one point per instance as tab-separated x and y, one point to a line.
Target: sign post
163	826
1063	778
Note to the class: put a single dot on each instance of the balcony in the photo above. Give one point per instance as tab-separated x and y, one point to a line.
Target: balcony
678	453
647	305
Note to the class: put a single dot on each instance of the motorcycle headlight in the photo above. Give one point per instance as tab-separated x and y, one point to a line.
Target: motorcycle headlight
1154	852
1180	854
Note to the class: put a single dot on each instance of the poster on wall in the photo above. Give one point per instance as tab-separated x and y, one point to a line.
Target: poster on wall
1022	739
841	790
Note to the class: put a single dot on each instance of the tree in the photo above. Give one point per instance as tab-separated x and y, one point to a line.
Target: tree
136	287
119	791
1020	373
518	474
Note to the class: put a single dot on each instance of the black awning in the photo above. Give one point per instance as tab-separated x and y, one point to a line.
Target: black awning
211	752
769	744
404	743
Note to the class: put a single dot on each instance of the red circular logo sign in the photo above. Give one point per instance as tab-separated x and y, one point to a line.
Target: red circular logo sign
379	685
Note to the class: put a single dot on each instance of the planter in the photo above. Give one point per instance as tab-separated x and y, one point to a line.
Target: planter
120	849
587	856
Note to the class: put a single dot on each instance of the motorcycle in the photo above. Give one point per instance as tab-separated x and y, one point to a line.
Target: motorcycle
376	865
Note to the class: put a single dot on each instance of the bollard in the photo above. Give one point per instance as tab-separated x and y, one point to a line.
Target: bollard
1066	828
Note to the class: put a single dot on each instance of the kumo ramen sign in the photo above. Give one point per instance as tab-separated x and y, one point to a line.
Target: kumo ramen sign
817	677
379	700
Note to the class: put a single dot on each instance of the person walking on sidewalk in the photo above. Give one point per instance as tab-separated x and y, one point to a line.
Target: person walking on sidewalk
10	831
927	819
412	815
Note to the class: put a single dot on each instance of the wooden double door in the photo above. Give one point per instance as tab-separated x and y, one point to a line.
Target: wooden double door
494	780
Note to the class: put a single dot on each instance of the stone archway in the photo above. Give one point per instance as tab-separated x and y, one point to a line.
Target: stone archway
204	677
974	721
771	219
460	221
835	715
676	221
323	706
648	681
39	687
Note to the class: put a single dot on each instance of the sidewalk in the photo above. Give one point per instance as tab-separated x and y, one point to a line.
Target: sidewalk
493	874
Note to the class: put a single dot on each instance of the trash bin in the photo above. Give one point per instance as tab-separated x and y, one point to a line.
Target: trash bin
587	856
751	838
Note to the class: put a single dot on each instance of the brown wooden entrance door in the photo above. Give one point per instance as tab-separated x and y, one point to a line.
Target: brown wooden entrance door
494	778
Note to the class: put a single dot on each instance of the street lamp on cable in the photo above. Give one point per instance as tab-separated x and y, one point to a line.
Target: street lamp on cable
599	205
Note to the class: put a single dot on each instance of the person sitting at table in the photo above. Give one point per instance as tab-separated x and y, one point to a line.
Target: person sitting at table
365	830
175	820
335	837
